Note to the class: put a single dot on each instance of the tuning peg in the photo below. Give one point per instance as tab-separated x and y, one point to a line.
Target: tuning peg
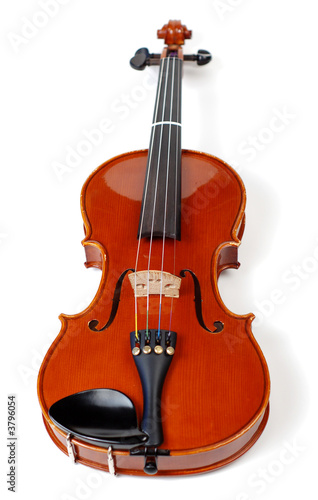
143	58
203	57
140	59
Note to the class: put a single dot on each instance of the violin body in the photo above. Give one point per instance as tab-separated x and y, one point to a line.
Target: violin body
213	399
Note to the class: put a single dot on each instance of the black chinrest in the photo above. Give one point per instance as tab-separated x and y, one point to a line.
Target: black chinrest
102	417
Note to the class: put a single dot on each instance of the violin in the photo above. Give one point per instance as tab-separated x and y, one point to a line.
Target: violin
156	376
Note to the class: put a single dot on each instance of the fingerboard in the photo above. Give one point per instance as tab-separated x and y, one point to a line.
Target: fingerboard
161	204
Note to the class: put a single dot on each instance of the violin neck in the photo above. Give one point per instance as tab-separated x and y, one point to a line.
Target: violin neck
161	204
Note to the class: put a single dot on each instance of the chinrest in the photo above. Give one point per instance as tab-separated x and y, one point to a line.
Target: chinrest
102	417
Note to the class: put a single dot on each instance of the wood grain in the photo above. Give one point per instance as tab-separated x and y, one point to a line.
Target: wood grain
215	397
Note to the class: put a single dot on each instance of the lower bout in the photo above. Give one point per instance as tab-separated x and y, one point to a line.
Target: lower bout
183	462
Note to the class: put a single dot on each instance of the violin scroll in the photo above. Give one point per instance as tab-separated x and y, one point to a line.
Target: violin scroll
174	33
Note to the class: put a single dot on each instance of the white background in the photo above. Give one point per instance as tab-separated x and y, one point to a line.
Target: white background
64	77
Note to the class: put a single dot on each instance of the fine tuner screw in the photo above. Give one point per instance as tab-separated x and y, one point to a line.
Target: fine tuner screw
158	350
143	58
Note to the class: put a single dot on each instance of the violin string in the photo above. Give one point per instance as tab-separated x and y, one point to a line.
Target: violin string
145	194
166	195
139	239
178	145
155	196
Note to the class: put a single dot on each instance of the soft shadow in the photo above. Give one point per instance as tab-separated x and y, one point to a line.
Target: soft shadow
289	400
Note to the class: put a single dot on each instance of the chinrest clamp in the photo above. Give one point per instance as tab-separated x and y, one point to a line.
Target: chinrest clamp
110	462
70	448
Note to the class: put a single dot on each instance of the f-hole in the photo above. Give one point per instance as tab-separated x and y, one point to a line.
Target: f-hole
198	303
92	325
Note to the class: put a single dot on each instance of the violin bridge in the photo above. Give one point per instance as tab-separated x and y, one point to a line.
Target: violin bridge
157	282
